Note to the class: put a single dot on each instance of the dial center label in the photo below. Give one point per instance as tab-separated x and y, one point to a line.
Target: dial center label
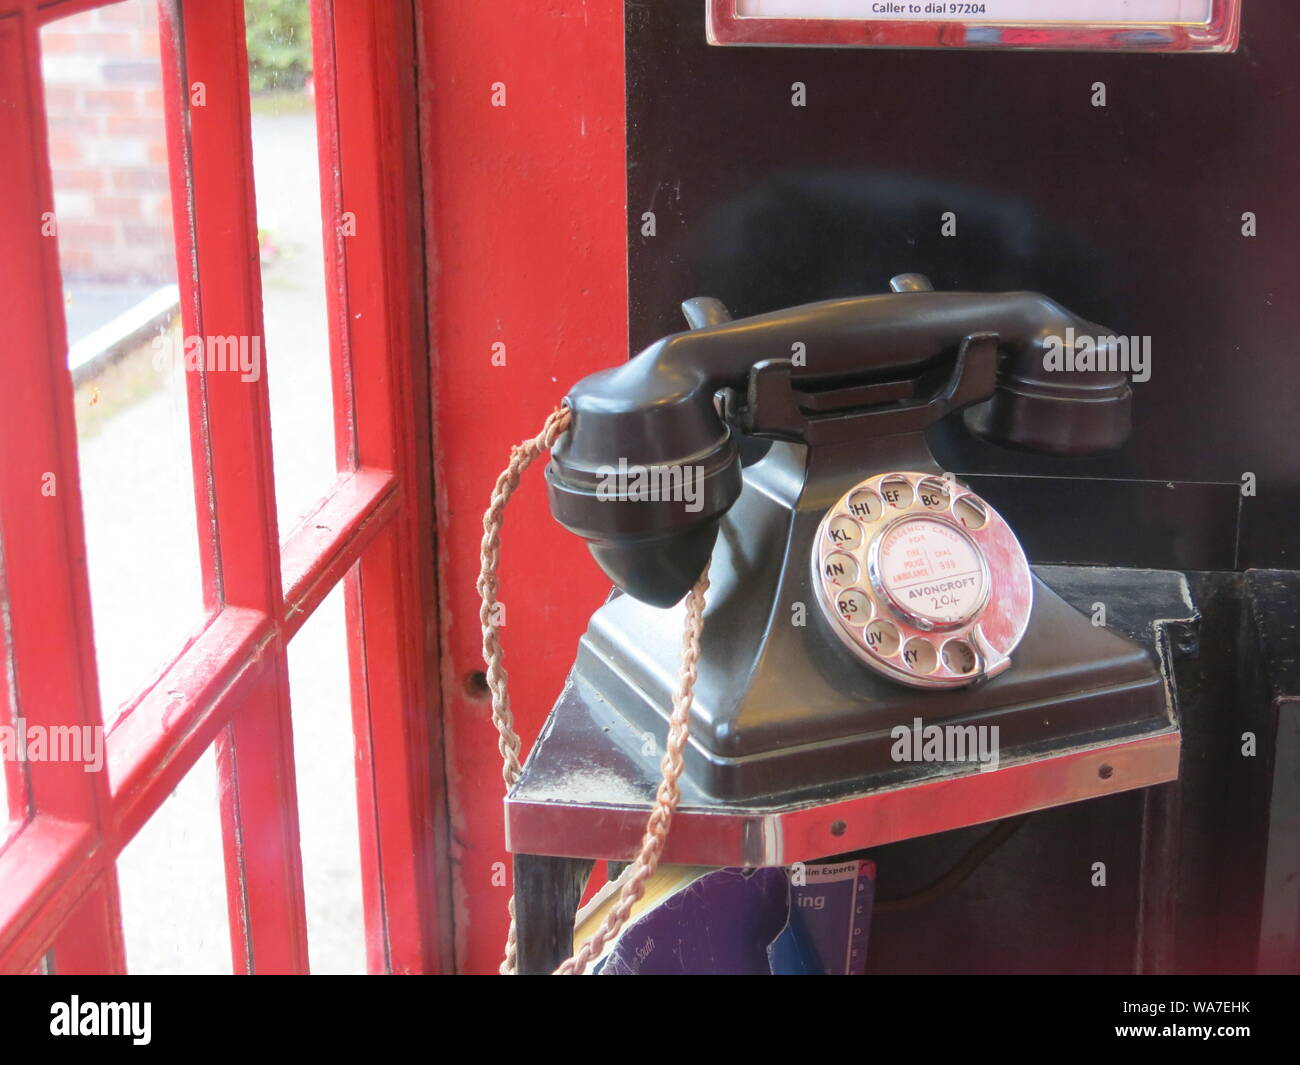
932	571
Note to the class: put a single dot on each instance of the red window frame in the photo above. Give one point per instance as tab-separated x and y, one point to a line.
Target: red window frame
372	531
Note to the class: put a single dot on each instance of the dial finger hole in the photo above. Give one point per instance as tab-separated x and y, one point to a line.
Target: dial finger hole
843	531
920	656
970	513
866	505
960	657
934	494
882	637
840	569
897	492
854	606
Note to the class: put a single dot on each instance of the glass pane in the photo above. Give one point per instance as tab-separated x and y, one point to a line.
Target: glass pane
172	878
287	178
327	795
103	92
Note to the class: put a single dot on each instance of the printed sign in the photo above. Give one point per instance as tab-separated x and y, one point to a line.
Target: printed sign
1088	12
1048	25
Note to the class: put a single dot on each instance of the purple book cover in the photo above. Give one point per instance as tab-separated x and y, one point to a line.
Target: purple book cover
721	923
808	919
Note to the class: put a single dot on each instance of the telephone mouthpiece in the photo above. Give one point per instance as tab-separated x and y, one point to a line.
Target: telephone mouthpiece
644	483
658	570
650	524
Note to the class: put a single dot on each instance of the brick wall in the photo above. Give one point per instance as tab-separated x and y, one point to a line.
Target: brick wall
103	99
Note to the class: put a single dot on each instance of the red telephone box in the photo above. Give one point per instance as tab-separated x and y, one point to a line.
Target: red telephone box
474	225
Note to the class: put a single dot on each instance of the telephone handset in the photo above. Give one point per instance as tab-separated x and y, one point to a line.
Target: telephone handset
922	580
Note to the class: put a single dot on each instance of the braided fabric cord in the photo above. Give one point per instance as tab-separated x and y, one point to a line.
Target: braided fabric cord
669	793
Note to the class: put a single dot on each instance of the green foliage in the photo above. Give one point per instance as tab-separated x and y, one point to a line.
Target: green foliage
279	44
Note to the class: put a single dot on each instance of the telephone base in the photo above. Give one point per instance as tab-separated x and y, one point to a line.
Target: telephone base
792	726
592	775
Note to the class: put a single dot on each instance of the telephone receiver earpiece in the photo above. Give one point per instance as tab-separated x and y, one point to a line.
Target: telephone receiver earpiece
649	466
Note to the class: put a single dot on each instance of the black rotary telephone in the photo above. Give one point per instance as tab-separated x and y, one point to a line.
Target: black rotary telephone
856	586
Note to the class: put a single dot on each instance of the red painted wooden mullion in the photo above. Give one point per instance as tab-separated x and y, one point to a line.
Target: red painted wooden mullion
176	107
370	175
47	869
13	775
255	753
91	941
334	232
50	677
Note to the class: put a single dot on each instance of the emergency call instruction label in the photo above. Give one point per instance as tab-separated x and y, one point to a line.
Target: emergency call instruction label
1083	12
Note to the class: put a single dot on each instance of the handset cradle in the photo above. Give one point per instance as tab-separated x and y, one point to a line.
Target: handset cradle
822	373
